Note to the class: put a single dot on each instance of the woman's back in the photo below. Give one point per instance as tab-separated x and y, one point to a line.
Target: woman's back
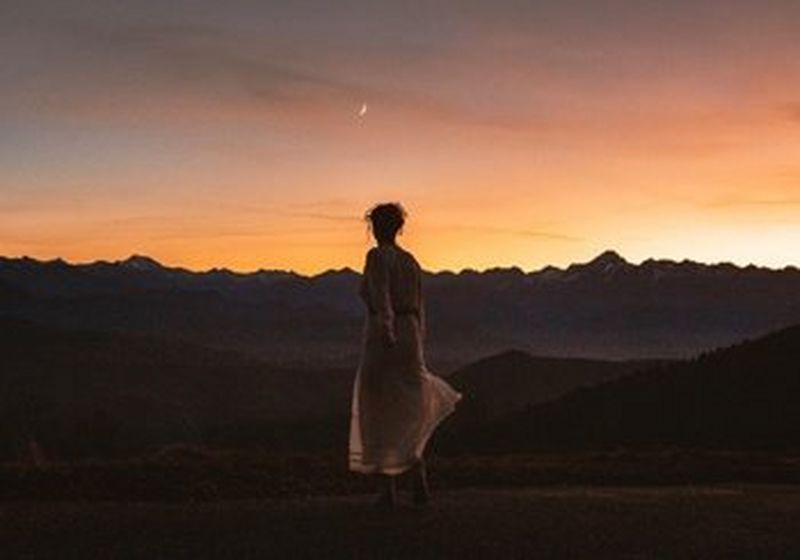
403	279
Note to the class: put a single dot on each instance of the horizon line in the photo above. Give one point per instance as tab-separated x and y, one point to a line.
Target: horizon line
609	252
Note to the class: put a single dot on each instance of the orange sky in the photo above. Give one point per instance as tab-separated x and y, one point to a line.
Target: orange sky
514	134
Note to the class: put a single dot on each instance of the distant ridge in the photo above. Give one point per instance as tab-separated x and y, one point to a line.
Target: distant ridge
747	395
80	393
506	384
512	380
139	262
606	260
606	308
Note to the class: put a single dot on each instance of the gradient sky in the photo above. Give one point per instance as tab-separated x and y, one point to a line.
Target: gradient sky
207	133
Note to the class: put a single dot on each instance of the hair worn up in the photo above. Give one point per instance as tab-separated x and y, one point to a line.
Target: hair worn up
386	219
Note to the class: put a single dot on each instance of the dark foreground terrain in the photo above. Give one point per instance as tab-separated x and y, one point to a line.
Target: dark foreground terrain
708	521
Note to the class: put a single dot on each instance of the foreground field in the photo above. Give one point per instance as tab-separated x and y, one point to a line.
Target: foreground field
710	521
189	474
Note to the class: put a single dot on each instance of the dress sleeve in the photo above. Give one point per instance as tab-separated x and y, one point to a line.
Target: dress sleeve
376	275
421	305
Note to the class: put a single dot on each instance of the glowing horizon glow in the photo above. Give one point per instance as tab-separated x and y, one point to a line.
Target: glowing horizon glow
516	135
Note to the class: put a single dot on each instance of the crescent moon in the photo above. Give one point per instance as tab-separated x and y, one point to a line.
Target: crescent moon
363	110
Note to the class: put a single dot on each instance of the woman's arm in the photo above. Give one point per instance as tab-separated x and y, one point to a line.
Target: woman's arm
420	305
376	274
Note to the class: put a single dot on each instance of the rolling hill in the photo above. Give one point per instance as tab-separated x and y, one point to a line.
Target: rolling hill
747	396
83	393
80	393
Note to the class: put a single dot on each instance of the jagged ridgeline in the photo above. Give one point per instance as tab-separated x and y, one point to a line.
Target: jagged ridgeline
606	308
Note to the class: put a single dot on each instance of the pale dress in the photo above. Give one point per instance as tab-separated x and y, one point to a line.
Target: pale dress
397	403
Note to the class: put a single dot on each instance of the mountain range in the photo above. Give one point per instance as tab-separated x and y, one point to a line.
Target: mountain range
79	394
607	308
83	393
747	395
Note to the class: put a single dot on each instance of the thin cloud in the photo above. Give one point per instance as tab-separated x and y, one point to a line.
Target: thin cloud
541	234
791	111
325	217
736	202
204	61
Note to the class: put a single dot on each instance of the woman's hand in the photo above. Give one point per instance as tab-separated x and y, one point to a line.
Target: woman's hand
389	339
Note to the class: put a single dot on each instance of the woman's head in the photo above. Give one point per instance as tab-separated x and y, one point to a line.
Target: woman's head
386	220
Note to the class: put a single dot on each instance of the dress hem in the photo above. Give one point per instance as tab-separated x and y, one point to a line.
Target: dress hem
397	470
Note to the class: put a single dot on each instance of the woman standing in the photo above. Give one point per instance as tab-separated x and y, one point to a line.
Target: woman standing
397	402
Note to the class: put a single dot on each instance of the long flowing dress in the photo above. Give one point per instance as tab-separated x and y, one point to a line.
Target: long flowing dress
397	403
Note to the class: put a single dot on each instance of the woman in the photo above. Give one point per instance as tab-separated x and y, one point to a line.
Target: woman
397	402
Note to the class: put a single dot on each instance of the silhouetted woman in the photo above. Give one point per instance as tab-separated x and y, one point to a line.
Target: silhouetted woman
397	402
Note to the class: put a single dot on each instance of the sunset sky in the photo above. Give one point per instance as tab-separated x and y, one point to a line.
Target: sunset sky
207	133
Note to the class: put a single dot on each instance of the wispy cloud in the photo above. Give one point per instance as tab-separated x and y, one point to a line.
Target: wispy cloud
791	111
494	230
727	202
326	217
170	69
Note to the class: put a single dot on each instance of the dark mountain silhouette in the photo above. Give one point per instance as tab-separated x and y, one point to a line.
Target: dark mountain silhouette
606	308
279	316
82	393
505	384
508	382
747	396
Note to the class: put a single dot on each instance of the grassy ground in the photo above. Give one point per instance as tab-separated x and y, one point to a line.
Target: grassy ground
198	474
559	521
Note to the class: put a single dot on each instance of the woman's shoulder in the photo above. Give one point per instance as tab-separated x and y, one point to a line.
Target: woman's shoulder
383	253
408	258
379	257
379	252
